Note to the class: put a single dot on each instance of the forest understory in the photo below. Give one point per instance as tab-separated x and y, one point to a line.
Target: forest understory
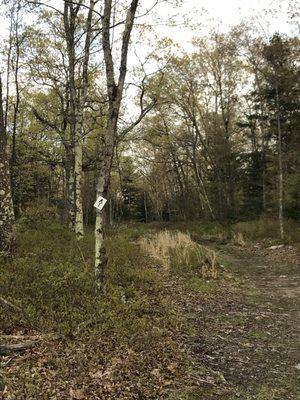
220	325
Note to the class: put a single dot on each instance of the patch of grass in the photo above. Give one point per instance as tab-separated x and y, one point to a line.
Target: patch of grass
265	392
269	391
132	230
189	393
259	335
232	319
202	230
260	229
2	381
253	296
200	285
179	254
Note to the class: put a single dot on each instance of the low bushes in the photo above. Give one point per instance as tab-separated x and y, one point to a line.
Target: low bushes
38	211
51	278
266	228
122	332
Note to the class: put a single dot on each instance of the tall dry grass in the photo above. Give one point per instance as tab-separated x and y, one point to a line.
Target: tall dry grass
178	252
160	244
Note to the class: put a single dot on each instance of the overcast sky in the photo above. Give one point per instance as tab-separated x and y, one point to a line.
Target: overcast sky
217	12
269	15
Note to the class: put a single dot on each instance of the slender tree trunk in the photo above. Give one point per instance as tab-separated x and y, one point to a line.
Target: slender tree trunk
69	168
263	161
200	184
263	166
77	103
6	204
115	92
70	14
80	125
16	106
145	207
78	188
17	102
280	172
102	190
179	182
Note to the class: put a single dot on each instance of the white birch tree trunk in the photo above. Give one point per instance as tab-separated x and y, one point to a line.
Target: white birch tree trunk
6	204
115	92
100	256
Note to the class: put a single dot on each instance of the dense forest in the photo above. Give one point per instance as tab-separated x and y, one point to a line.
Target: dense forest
204	139
212	133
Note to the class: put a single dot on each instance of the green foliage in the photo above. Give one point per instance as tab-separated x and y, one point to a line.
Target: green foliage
201	229
37	212
48	280
51	279
2	381
190	393
265	228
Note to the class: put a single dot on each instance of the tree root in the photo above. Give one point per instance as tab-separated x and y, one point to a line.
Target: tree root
9	304
29	342
17	347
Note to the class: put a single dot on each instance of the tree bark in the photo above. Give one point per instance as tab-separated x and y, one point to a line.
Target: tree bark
80	126
280	172
70	13
6	204
114	92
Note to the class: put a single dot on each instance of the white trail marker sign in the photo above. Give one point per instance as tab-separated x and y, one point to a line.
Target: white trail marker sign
100	203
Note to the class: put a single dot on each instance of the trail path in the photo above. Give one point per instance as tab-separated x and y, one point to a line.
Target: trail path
247	341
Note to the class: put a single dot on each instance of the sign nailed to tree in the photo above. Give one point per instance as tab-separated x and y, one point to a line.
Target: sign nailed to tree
100	203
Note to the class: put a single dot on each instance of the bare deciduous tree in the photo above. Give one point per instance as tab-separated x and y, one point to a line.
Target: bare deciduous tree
114	91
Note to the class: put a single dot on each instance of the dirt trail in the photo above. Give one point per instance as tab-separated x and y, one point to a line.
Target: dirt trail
247	340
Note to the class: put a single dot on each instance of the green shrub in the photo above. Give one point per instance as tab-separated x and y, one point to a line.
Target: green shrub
266	228
202	229
53	296
38	211
51	278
